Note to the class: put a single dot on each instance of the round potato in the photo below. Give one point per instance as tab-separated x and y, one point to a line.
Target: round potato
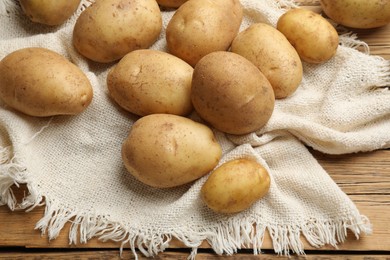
40	82
200	27
235	186
231	93
171	3
109	29
360	14
164	150
273	54
314	38
149	82
49	12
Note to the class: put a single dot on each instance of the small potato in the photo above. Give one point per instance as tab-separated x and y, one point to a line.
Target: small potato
164	150
314	38
360	14
273	54
40	82
171	3
109	29
200	27
230	93
235	186
148	82
49	12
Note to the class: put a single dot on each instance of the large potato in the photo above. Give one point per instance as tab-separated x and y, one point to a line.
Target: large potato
200	27
40	82
109	29
314	38
164	150
273	54
231	93
361	14
235	186
49	12
148	82
171	3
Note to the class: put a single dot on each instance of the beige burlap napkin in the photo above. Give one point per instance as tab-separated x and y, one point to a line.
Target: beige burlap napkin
72	164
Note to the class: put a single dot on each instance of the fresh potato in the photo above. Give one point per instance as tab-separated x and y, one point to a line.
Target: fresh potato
148	82
109	29
171	3
164	150
235	186
231	93
273	54
49	12
40	82
200	27
361	14
314	38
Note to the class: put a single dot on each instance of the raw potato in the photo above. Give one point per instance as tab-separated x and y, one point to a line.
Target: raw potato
273	54
164	150
49	12
200	27
149	81
171	3
109	29
231	93
40	82
235	186
314	38
361	14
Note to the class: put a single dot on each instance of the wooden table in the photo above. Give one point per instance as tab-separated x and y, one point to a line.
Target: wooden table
365	177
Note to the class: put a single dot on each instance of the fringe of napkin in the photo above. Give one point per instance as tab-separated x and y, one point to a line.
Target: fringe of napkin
226	237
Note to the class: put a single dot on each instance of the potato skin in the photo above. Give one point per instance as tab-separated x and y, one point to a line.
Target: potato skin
149	81
171	3
314	38
164	150
273	54
230	93
40	82
360	14
109	29
200	27
49	12
235	186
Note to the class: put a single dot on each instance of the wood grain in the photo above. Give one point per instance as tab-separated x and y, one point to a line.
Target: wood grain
365	177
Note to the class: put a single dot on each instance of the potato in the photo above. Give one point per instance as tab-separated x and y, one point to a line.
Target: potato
361	14
40	82
273	54
200	27
164	150
171	3
149	81
230	93
49	12
314	38
235	186
109	29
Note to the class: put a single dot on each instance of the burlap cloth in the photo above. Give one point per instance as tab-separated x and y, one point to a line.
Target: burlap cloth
72	164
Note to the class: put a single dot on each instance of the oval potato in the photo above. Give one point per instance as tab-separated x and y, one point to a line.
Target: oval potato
230	93
200	27
164	150
149	81
360	14
314	38
49	12
40	82
273	54
235	186
109	29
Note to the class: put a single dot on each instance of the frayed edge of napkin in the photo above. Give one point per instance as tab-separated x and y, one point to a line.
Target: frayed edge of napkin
227	237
